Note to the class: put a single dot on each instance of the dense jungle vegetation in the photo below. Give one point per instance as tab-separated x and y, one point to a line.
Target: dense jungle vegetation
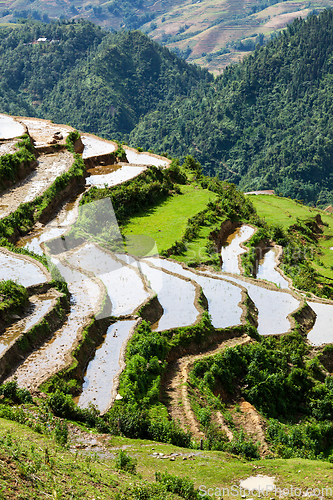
96	81
264	123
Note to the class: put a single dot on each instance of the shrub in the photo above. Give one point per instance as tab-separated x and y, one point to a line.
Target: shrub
182	486
126	463
145	491
10	391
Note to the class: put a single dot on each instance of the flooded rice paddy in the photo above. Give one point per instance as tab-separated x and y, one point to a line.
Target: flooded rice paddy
322	331
98	379
94	146
117	175
273	307
49	167
10	128
123	283
44	132
267	269
16	268
223	297
232	249
91	272
137	158
175	295
54	354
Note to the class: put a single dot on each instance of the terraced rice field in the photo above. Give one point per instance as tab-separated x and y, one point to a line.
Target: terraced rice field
112	287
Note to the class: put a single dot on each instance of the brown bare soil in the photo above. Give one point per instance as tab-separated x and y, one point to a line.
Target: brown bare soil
176	388
250	420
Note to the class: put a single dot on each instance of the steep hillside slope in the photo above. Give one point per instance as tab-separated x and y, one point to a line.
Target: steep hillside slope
265	123
210	33
97	81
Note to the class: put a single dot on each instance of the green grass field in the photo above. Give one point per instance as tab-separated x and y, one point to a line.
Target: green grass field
283	211
166	222
33	466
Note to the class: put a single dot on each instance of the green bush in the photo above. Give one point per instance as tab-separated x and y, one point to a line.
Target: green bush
145	491
10	163
133	421
182	486
125	462
12	297
14	394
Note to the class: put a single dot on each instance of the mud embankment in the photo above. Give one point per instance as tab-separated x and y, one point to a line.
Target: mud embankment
175	383
305	317
206	344
258	253
326	357
152	311
101	160
220	237
73	186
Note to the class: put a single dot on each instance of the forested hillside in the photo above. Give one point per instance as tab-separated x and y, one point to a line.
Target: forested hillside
266	123
209	33
82	75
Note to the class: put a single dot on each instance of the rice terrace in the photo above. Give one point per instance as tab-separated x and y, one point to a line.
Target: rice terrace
154	319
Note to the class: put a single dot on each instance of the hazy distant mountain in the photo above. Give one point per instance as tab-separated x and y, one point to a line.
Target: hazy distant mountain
209	32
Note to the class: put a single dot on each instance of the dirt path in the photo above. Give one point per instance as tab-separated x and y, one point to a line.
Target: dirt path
253	424
179	406
49	167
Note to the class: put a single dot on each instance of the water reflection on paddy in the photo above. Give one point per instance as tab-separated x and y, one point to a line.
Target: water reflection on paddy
223	297
322	331
267	271
98	379
232	249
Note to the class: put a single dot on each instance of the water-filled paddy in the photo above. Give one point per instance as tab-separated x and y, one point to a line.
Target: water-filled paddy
116	176
273	306
223	297
175	295
322	331
93	146
143	158
98	379
15	268
124	285
232	249
267	271
9	128
49	167
44	132
53	355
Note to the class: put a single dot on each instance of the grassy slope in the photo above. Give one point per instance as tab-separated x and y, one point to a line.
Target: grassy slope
284	212
160	222
26	473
